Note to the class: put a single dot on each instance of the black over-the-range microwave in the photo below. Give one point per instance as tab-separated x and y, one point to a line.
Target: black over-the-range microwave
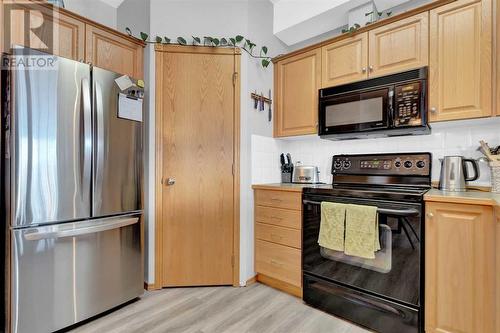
391	105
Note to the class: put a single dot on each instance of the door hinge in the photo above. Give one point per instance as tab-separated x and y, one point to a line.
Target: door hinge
232	261
235	77
232	169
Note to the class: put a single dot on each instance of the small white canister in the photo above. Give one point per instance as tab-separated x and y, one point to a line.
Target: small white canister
495	177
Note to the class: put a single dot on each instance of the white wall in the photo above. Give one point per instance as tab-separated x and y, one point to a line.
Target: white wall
447	138
94	10
254	123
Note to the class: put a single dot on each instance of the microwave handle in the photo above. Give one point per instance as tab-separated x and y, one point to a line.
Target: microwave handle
390	103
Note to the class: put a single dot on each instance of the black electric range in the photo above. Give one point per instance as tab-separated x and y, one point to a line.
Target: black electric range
384	294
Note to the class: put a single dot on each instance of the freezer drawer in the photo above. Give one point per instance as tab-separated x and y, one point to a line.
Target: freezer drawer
62	274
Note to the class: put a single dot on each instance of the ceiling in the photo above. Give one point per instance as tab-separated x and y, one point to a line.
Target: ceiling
114	3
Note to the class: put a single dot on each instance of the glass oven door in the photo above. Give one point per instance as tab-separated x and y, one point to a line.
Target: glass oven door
355	112
394	274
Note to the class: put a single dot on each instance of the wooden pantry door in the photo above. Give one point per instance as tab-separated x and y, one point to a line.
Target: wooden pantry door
197	125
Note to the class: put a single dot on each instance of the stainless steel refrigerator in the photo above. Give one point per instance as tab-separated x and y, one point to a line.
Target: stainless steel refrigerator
72	173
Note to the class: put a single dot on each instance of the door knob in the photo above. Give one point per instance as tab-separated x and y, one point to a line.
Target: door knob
170	181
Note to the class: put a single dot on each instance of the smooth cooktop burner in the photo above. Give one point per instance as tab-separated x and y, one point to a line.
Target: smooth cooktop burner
395	193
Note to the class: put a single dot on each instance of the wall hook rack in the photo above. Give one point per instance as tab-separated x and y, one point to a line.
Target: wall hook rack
260	101
260	98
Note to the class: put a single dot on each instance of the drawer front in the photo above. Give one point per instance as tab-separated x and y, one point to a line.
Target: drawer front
279	199
278	261
279	217
279	235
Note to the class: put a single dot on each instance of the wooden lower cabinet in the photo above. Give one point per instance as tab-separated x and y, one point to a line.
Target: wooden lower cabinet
497	308
278	239
460	268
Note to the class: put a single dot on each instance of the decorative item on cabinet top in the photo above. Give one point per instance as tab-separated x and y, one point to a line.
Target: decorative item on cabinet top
238	41
58	3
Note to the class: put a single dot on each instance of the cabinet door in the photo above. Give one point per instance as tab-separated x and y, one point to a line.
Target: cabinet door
55	33
461	60
399	46
459	263
113	52
345	61
297	81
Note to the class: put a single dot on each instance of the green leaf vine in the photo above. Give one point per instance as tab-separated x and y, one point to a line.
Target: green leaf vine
375	16
238	41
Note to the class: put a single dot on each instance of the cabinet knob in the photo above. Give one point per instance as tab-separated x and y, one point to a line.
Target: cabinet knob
363	69
430	215
370	68
433	110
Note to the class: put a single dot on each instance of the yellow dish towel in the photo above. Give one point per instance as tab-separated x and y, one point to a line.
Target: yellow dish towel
361	234
331	230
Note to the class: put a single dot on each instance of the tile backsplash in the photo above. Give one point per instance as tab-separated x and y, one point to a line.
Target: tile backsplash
447	138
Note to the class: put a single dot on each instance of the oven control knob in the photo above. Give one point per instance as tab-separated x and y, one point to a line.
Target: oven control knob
337	165
420	164
347	164
397	164
408	164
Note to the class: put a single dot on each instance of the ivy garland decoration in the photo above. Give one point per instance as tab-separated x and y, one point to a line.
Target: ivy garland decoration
238	41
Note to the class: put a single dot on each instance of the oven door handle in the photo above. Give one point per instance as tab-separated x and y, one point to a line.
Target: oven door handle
385	211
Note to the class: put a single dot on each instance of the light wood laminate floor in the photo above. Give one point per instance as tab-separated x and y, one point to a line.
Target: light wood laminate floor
256	308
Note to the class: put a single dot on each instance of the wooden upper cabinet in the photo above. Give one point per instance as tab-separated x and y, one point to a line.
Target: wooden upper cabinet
59	34
297	80
345	61
460	268
112	52
461	60
399	46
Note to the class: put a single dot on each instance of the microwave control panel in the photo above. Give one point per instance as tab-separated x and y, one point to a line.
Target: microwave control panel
408	106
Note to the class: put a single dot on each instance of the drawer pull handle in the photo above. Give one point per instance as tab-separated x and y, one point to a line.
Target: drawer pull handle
276	199
276	218
276	263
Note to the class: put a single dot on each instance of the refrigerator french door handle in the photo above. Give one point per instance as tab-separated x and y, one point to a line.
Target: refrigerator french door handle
62	231
99	108
87	140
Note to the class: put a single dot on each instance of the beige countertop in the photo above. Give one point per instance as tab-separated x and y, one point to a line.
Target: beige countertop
289	187
470	197
473	197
